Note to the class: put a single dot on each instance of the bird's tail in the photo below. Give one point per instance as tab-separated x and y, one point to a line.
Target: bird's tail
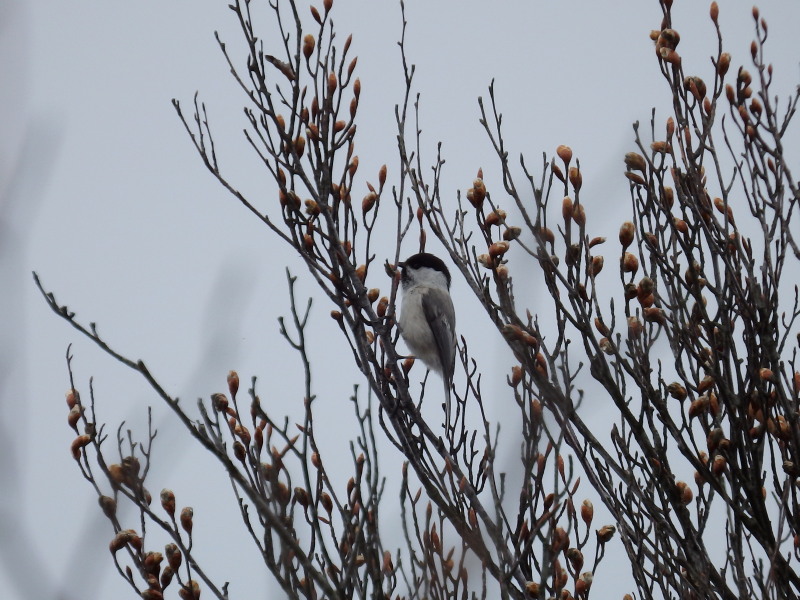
447	403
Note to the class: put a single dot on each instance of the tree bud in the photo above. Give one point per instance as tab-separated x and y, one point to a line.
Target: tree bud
605	533
587	512
575	178
635	162
168	501
308	45
187	515
496	217
565	154
630	264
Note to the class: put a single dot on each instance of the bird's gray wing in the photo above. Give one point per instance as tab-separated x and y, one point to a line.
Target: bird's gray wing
441	316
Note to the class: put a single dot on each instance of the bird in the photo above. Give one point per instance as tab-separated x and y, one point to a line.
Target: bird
427	317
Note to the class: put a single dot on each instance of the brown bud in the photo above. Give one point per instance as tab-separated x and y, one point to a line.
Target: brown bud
705	384
587	512
532	588
190	591
635	178
326	501
634	327
669	38
670	56
368	202
723	64
677	391
583	584
601	327
478	193
698	406
565	154
77	444
626	234
361	273
714	11
383	305
300	145
630	264
120	539
108	505
605	533
498	249
74	416
579	214
566	208
516	376
73	398
695	86
388	566
597	265
654	314
512	233
575	178
635	162
233	383
719	464
496	217
187	515
547	235
168	501
308	45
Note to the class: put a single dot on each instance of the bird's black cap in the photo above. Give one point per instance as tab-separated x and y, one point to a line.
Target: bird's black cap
424	259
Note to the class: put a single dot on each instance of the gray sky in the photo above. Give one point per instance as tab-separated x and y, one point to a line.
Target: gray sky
102	194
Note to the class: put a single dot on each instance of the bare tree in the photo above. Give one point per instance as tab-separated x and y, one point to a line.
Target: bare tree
689	336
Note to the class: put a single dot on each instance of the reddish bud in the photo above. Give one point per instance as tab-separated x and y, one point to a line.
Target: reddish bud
78	444
168	501
233	383
635	162
575	178
308	45
566	208
605	533
635	178
626	234
74	416
587	512
388	567
714	11
630	264
498	249
634	327
565	154
108	505
368	202
516	376
187	515
597	265
579	215
327	503
677	391
723	64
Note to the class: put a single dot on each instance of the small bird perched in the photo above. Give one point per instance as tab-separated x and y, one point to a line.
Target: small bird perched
427	317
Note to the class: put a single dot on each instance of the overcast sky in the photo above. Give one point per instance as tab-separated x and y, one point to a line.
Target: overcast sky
102	194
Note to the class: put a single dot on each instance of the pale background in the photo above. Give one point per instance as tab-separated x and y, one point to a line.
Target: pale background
102	194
